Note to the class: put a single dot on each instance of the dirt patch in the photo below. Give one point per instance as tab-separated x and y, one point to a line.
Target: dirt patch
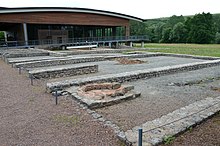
215	89
129	61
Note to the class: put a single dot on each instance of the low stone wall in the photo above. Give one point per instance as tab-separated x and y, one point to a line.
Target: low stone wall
134	75
63	71
30	54
58	61
102	51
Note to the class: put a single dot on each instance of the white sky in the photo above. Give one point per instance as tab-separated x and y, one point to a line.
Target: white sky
145	9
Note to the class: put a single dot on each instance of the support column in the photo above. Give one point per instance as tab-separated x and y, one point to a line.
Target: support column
25	34
6	37
117	45
113	31
142	44
103	32
131	44
110	44
94	32
127	30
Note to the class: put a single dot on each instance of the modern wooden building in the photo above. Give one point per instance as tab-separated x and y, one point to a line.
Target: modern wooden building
56	23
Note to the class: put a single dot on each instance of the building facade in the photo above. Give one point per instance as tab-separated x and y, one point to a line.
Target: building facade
59	24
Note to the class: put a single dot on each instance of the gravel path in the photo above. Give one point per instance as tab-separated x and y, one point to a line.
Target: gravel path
160	95
29	116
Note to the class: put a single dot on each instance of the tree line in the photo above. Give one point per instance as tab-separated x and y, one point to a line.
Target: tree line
201	29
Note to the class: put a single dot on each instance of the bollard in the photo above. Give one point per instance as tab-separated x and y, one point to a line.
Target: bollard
31	77
56	97
19	70
140	133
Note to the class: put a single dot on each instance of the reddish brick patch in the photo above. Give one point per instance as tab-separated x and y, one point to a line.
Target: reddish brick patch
103	91
129	61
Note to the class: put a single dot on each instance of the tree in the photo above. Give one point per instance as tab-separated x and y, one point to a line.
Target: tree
217	38
216	19
166	35
178	33
158	30
201	29
173	20
137	28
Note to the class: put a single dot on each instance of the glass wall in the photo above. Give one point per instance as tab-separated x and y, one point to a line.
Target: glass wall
75	31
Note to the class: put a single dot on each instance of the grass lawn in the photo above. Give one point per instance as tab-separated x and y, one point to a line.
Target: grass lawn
193	49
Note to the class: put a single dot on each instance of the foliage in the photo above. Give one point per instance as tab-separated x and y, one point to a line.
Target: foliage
178	33
168	139
166	35
158	31
217	38
216	19
173	20
2	35
200	28
137	28
64	119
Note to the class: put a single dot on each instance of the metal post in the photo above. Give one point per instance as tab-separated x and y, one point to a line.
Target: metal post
140	133
56	97
31	77
19	70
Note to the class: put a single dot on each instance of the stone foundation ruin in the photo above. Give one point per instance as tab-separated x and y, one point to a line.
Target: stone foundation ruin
104	94
129	61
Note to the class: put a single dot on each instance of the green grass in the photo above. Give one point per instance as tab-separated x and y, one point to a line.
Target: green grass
168	139
72	119
192	49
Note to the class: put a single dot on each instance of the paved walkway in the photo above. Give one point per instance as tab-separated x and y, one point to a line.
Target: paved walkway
29	116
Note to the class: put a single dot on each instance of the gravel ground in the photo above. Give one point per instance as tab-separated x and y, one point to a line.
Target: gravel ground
112	67
206	134
29	116
160	95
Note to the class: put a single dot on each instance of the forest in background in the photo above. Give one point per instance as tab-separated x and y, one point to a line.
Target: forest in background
199	29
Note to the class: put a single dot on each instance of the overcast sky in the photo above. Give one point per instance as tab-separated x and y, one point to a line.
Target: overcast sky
145	9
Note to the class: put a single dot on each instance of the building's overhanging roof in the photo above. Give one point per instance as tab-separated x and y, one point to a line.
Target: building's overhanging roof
68	10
